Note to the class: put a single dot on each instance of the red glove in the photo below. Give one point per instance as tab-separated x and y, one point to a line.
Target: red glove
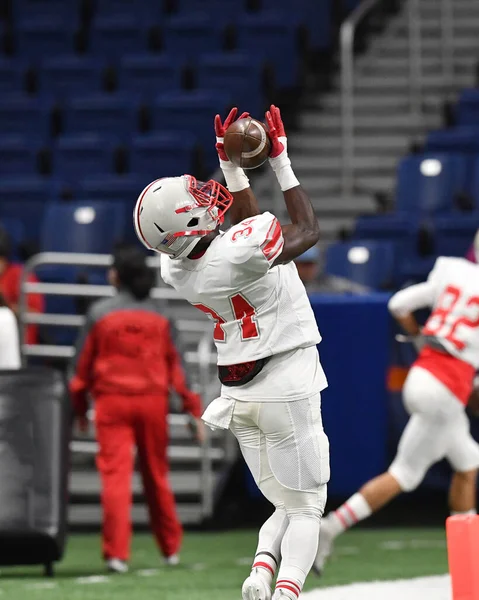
277	133
278	158
220	129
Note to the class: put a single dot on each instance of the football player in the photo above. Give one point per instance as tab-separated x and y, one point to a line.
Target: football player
435	394
265	334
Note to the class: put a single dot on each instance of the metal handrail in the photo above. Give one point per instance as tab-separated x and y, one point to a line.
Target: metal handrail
347	36
204	356
415	57
447	47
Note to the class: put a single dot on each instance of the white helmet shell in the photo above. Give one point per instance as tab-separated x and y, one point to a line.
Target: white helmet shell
173	214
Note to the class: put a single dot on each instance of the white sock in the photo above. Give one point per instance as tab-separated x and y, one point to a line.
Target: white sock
298	551
472	511
268	553
348	514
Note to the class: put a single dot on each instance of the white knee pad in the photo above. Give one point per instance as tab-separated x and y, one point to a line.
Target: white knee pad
408	478
305	504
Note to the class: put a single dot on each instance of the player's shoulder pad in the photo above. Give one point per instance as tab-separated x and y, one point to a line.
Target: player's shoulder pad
445	264
259	233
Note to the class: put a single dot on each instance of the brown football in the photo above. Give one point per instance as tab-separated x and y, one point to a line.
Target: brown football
247	143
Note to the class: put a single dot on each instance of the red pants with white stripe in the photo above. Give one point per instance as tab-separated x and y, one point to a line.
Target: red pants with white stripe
121	423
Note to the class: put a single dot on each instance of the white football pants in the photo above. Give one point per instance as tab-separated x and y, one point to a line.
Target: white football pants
287	452
438	428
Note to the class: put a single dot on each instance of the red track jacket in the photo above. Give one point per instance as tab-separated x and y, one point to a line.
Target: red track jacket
127	348
10	288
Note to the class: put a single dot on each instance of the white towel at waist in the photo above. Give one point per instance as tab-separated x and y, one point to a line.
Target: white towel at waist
219	413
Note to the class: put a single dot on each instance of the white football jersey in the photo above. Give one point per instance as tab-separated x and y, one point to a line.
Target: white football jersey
258	310
454	321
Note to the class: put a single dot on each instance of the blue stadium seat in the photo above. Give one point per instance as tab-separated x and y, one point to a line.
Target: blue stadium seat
18	155
370	263
147	10
29	212
119	188
162	155
101	113
192	35
224	12
456	139
149	73
68	10
21	188
238	73
36	39
427	183
272	36
66	76
113	36
192	113
77	156
12	75
21	115
454	234
314	15
16	232
467	109
473	180
401	229
82	227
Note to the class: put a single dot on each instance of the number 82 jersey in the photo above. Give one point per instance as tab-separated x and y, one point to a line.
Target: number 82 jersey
258	309
454	321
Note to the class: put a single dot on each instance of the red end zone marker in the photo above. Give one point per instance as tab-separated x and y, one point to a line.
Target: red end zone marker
463	553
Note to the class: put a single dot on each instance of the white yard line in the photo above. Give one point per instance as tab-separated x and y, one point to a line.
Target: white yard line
429	588
412	544
147	572
92	579
41	585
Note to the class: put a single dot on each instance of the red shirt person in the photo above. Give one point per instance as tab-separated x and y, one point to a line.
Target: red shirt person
127	360
10	281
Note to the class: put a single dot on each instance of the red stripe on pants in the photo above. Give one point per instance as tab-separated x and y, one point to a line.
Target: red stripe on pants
123	422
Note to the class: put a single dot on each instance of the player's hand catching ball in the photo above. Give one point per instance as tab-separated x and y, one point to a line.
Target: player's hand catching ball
220	129
278	158
277	134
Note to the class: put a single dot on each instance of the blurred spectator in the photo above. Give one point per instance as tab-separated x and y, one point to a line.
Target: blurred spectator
317	281
10	279
9	342
126	357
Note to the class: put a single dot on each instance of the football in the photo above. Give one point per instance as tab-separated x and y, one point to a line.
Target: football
247	143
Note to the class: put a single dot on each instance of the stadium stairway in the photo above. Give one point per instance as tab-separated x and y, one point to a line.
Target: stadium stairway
384	125
185	477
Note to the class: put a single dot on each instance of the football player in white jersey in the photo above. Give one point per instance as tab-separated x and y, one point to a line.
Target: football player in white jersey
265	334
435	394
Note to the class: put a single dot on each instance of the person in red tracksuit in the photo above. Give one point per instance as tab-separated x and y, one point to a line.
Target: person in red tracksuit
127	360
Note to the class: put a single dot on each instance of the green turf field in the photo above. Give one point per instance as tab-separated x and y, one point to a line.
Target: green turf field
215	564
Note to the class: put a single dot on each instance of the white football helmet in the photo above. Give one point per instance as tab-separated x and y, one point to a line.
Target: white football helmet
173	214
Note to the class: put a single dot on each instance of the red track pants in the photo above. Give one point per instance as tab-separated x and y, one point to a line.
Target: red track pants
121	423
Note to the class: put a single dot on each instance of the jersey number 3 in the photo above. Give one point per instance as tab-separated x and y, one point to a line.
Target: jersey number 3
437	321
243	311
